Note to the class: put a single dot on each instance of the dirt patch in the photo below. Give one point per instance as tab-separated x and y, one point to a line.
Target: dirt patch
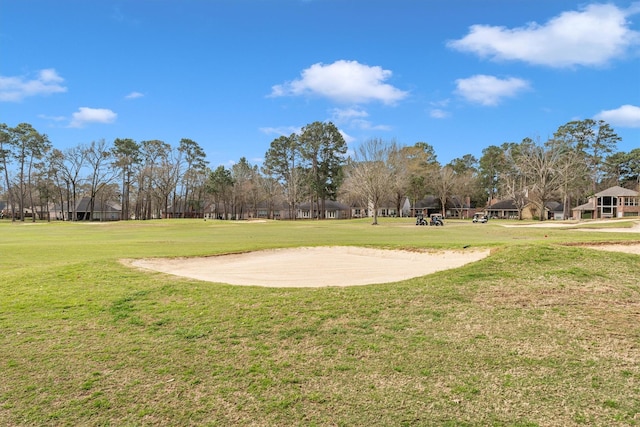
312	267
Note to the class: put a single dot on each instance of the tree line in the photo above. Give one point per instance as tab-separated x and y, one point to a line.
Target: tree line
153	179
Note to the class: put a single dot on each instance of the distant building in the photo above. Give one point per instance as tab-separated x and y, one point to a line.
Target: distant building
332	210
507	209
614	202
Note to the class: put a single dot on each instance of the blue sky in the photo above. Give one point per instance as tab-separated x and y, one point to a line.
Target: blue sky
233	75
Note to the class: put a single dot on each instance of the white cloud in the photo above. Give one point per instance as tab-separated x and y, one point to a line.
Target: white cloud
625	116
347	138
134	95
343	81
367	125
438	113
86	115
341	115
15	89
355	118
438	109
52	118
592	36
281	131
489	90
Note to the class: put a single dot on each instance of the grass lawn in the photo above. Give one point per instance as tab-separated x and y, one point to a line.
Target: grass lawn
537	334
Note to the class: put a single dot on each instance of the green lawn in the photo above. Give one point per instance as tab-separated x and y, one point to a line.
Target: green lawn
537	334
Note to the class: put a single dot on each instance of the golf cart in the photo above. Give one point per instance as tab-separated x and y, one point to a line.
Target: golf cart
481	218
436	219
420	220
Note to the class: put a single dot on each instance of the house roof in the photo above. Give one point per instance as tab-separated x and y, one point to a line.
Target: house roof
98	206
617	191
504	205
554	206
433	202
428	202
458	202
586	207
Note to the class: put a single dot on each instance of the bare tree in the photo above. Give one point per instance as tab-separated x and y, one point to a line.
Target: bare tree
572	169
245	187
165	180
513	178
541	167
151	152
99	156
272	191
443	185
69	164
369	175
514	187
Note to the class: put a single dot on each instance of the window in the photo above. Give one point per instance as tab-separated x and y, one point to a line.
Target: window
631	201
607	201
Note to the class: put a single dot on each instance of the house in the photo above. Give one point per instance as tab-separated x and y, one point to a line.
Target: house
332	210
459	207
503	209
359	211
5	209
102	210
386	209
556	211
405	208
455	207
277	210
614	202
426	206
506	209
41	212
177	211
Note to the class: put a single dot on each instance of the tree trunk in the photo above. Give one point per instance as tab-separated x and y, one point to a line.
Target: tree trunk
375	215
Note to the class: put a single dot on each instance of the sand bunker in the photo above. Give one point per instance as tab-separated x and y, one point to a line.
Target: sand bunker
626	248
572	225
313	267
